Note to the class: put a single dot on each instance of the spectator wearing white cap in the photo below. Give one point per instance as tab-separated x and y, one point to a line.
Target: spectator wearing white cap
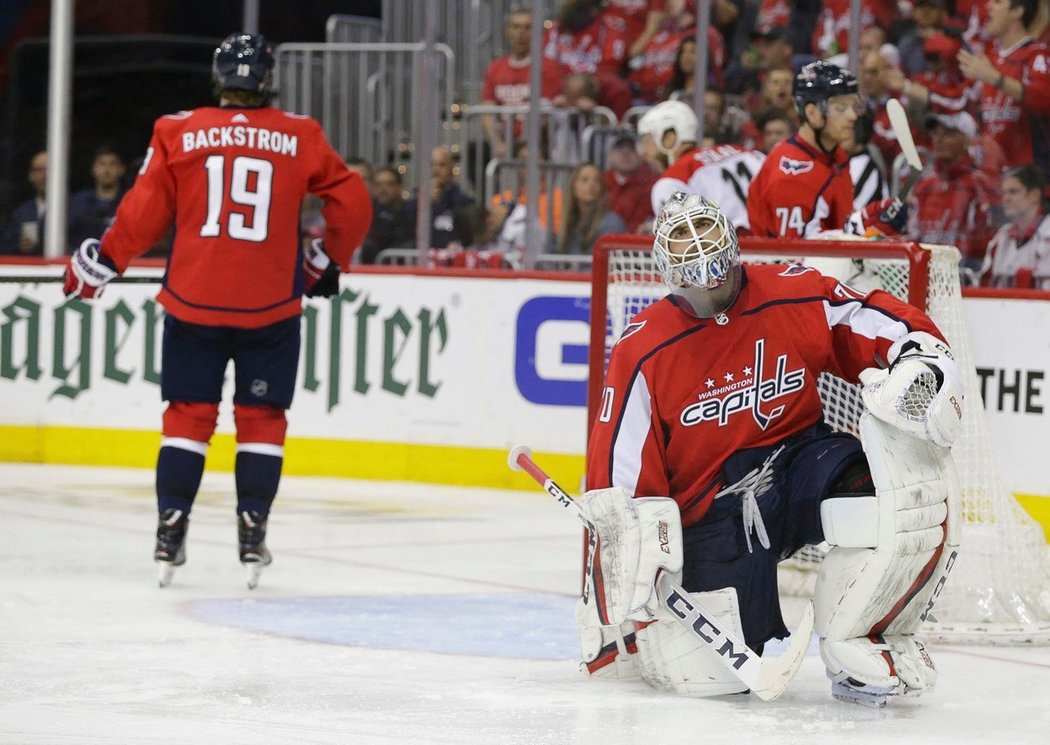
955	203
1022	246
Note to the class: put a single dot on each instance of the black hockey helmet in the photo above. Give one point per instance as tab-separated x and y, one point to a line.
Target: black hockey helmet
818	81
243	62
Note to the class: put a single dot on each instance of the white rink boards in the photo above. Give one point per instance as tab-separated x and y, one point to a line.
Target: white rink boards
394	613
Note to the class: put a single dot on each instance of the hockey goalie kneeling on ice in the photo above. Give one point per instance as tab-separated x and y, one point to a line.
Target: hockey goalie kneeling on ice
710	404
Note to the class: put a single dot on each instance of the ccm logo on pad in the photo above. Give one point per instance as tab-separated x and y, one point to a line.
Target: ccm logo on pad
793	167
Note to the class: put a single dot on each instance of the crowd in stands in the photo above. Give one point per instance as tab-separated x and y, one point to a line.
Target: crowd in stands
973	75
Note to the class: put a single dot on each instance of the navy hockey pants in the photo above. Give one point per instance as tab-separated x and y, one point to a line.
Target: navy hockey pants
716	551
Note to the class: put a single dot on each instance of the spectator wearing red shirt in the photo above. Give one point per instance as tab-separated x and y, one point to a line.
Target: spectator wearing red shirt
831	32
955	202
628	183
586	40
671	49
507	79
641	20
1014	73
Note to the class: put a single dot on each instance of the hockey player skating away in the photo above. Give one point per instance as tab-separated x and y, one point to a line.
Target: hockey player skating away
723	173
804	187
232	179
711	399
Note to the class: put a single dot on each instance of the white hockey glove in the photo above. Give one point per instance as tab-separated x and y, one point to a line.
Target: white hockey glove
88	271
636	538
920	392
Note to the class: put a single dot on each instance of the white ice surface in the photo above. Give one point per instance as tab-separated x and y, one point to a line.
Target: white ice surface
393	613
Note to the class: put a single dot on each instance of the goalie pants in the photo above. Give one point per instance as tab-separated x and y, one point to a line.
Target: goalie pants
716	549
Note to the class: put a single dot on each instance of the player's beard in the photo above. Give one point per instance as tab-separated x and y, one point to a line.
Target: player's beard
707	303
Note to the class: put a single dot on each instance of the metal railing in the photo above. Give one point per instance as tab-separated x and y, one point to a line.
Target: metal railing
348	29
472	29
364	95
564	130
505	179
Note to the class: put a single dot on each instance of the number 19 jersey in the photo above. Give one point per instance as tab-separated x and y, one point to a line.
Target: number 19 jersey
232	180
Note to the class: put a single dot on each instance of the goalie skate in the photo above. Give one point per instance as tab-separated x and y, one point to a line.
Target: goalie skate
251	533
170	551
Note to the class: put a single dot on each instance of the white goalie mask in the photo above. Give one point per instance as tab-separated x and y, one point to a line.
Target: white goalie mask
695	246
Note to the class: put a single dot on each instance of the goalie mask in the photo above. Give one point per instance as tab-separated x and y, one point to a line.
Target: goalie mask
697	252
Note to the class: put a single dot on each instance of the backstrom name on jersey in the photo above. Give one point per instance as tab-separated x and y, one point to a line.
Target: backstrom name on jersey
746	394
253	137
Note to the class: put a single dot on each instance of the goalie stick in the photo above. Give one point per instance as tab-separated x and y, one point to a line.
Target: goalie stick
766	677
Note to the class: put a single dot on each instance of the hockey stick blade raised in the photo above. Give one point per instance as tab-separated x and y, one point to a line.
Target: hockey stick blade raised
766	677
902	131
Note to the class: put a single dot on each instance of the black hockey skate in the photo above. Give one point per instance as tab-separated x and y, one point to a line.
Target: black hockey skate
251	532
170	551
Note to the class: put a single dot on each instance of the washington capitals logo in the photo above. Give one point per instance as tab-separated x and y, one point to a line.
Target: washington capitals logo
750	393
793	167
794	270
631	330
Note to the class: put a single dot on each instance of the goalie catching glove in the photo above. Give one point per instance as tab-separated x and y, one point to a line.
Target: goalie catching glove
920	392
88	271
322	274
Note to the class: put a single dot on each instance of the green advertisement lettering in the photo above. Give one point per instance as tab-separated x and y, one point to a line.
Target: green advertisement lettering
25	313
81	363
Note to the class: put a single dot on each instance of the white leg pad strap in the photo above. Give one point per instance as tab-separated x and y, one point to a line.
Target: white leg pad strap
671	658
872	595
608	652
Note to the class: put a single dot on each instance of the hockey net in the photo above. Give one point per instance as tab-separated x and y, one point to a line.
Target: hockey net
999	590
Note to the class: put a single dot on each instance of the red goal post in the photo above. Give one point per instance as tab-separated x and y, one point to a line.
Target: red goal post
999	590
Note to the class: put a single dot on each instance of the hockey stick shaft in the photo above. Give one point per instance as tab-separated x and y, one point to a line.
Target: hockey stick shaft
766	679
51	279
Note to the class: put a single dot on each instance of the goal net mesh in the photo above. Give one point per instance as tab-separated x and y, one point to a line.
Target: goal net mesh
999	589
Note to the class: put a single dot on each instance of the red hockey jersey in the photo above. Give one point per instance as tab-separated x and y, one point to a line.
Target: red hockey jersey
683	394
232	181
1020	127
800	192
601	47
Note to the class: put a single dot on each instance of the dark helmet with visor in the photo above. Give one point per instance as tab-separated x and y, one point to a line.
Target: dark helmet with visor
818	81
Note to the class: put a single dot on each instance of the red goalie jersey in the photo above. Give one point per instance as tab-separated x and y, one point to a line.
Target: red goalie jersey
232	180
690	392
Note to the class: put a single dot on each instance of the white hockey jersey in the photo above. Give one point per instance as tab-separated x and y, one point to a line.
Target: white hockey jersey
721	174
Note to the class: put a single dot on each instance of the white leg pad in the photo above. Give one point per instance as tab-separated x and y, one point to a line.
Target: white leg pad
608	652
894	663
670	658
870	600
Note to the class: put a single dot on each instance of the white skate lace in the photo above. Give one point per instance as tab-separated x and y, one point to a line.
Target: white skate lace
751	487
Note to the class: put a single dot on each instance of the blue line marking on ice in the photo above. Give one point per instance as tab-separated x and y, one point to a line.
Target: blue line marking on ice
530	626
